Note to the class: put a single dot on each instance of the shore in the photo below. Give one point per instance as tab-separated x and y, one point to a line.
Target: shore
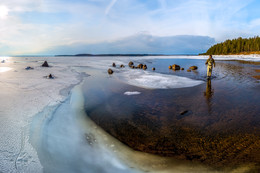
29	94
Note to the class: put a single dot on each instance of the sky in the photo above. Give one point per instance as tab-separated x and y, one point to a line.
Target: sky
34	27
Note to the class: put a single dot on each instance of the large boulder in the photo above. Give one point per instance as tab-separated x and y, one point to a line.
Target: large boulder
110	71
45	64
176	67
193	67
130	64
140	66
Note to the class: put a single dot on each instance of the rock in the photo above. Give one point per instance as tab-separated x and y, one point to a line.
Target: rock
140	66
144	67
182	68
189	70
45	64
132	67
29	68
193	67
110	71
114	65
130	64
184	112
176	67
50	76
122	66
170	67
153	68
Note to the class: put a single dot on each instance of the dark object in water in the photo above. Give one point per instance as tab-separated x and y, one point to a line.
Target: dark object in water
50	76
3	61
176	67
122	66
45	64
193	67
140	66
110	71
183	112
130	64
189	70
29	68
144	67
182	68
153	68
114	65
170	67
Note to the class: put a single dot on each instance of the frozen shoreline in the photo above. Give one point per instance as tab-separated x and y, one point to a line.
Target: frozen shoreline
27	93
24	93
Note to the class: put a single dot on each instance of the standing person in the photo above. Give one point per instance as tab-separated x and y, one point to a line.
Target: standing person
210	62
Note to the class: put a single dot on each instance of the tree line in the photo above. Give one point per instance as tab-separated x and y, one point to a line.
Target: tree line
236	46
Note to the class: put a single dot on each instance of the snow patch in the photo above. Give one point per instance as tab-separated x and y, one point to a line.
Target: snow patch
132	93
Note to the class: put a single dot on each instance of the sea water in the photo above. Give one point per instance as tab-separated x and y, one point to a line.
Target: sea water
79	135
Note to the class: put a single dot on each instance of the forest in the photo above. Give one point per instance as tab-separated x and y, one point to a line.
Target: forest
236	46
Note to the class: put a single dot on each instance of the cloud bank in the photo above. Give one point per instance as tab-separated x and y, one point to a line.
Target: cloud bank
140	44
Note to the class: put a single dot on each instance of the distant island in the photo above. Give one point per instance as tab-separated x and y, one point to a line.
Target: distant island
128	55
236	46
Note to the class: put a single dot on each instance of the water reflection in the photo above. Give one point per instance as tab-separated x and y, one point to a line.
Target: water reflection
208	95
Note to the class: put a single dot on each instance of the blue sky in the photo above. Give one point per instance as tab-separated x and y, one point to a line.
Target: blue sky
98	26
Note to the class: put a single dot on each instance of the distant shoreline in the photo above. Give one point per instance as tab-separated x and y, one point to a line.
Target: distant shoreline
128	55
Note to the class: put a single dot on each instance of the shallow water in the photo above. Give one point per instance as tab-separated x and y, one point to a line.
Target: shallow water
219	117
204	126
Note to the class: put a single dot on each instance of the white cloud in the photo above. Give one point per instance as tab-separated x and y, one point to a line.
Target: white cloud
3	11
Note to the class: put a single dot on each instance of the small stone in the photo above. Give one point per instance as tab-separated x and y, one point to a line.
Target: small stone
193	67
153	68
189	70
182	68
175	67
110	71
144	67
130	64
114	65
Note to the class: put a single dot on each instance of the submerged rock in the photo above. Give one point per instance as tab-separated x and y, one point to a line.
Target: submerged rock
114	65
50	76
110	71
182	68
153	68
193	67
176	67
189	70
45	64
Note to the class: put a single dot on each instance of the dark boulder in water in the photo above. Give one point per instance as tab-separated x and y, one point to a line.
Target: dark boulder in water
170	67
144	67
182	68
110	71
45	64
114	65
176	67
153	68
193	67
122	66
140	66
130	64
50	76
189	70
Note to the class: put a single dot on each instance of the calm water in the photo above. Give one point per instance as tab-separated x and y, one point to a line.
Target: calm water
216	122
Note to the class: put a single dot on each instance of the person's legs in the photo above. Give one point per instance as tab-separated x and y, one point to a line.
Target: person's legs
209	71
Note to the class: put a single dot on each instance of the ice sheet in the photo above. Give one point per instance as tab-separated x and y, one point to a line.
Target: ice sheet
153	80
129	93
